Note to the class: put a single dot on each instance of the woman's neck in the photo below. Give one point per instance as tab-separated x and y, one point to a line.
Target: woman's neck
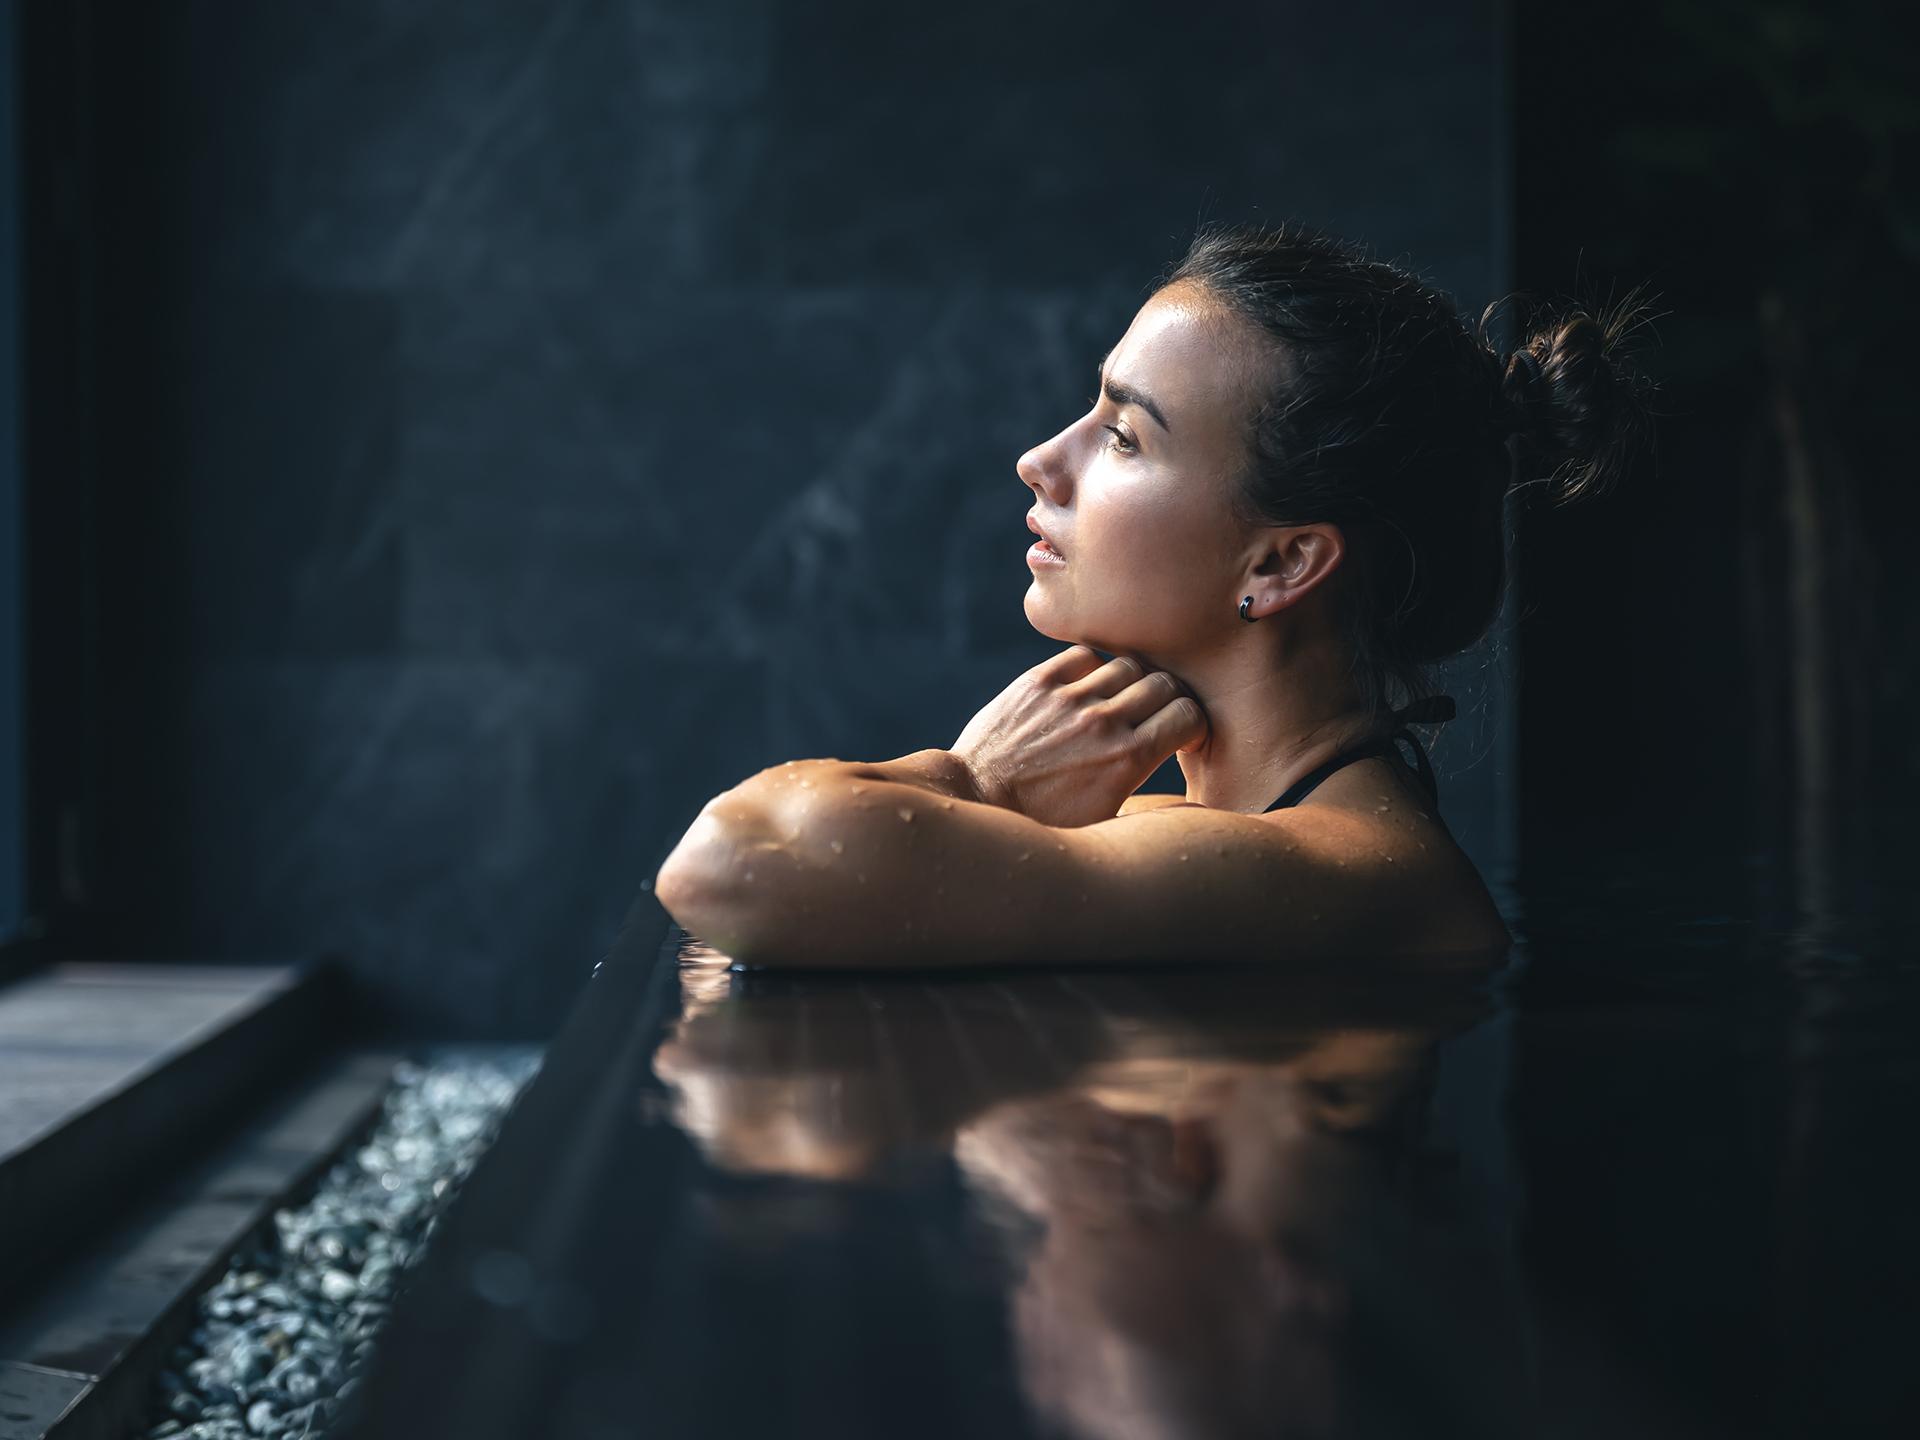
1271	718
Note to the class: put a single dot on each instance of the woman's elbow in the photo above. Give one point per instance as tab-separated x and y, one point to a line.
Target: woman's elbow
702	902
711	844
697	867
703	882
674	887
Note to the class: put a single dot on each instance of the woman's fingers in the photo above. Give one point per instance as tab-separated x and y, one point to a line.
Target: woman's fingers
1145	695
1155	702
1074	663
1178	725
1108	679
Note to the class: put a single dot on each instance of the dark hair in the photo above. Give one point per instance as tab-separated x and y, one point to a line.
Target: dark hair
1386	414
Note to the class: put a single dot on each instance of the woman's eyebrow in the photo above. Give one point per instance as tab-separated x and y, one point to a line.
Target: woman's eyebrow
1126	395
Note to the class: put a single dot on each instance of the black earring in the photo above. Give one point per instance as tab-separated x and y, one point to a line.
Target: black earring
1243	609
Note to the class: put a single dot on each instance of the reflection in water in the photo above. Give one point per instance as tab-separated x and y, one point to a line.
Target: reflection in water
1211	1202
1228	1204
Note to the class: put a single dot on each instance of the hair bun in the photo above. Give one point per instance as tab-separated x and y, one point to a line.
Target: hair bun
1582	407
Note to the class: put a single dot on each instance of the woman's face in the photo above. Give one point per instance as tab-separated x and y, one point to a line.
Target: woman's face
1135	494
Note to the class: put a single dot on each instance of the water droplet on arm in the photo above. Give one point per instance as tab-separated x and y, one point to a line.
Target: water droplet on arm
903	812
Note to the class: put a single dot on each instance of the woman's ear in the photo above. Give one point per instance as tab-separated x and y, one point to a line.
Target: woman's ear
1299	557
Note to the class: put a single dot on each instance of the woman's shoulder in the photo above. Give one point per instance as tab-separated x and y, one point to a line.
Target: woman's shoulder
1389	802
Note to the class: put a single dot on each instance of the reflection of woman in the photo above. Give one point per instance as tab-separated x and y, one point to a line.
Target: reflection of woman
830	1083
1281	510
1261	1272
1221	1220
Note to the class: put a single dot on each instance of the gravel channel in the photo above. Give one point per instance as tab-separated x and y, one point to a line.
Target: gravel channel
281	1340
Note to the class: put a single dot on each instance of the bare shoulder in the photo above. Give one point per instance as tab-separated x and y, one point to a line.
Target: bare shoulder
1387	807
1377	819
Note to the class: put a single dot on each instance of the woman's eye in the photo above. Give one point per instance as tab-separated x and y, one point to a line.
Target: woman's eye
1120	440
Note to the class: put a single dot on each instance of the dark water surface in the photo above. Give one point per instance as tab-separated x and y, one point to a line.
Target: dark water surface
1656	1178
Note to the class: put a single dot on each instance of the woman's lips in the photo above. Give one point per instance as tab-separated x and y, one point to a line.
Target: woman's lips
1041	553
1033	524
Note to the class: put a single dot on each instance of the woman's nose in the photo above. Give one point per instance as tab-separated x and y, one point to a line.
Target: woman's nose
1040	468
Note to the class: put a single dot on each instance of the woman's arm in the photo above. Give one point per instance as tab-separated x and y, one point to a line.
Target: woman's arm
825	876
772	814
940	772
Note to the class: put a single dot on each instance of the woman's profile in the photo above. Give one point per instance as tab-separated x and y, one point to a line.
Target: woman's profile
1282	509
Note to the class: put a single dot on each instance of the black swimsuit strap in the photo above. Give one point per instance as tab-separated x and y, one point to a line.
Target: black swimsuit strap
1300	788
1434	707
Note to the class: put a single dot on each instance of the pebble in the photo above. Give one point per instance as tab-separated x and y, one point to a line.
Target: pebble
288	1331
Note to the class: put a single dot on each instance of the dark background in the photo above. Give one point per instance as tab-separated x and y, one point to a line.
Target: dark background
462	438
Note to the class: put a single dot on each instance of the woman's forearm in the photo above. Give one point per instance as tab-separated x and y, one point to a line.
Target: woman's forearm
939	772
777	800
761	819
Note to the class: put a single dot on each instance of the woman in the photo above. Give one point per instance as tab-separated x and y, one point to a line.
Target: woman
1282	507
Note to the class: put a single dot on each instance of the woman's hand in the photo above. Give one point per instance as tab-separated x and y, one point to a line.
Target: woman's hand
1071	738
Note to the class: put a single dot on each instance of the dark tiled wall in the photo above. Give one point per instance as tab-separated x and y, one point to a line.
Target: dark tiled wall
584	405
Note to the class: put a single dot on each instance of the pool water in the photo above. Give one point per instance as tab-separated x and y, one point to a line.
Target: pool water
1652	1179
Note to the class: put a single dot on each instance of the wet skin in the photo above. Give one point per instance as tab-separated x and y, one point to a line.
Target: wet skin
1024	842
